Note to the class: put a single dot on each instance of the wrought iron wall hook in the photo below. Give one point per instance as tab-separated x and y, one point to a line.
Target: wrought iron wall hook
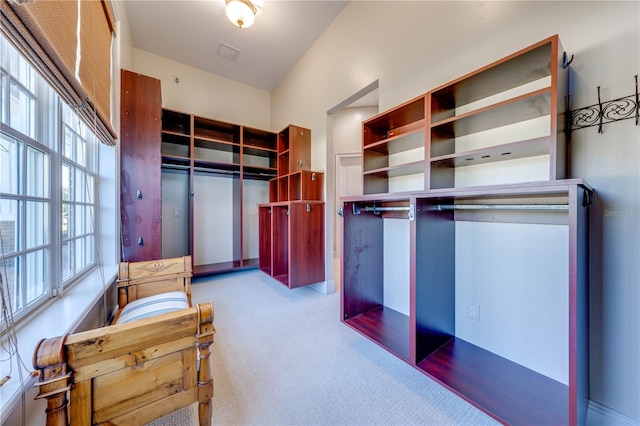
600	112
637	101
607	112
565	61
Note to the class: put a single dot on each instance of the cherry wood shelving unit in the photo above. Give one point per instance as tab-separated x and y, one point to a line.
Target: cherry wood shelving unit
291	225
196	145
527	86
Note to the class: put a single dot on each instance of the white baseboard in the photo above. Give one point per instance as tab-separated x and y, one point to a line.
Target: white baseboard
601	415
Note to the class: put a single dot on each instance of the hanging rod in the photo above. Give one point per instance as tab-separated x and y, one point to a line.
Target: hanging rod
376	209
444	207
410	209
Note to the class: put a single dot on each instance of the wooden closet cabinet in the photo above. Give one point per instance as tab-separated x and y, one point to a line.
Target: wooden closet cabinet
292	242
221	170
291	225
140	193
190	185
531	316
477	273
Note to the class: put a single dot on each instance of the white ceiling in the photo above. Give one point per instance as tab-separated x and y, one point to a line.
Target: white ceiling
190	32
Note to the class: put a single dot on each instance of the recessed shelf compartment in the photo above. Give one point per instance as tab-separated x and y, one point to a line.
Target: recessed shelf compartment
523	108
375	265
176	123
521	69
213	130
392	143
405	118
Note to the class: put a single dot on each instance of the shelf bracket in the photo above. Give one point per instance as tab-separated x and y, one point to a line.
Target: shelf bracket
607	112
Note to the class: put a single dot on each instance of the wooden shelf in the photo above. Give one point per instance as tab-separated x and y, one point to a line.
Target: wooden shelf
397	171
516	70
404	118
386	327
217	268
503	389
503	152
399	143
522	108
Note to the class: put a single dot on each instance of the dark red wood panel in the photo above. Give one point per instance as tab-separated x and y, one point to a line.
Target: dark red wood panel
140	173
386	327
508	391
306	244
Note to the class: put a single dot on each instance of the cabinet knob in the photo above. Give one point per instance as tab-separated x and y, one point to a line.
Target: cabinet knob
139	195
300	163
340	211
140	242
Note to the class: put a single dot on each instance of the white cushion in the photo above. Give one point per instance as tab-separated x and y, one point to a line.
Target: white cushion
154	305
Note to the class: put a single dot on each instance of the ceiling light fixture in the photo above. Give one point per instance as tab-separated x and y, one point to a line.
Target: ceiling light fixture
241	13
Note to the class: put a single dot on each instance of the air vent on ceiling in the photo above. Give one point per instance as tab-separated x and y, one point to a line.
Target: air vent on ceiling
226	51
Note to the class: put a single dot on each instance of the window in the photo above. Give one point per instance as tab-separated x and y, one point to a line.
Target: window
48	169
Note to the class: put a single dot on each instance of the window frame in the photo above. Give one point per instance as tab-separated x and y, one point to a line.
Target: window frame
46	122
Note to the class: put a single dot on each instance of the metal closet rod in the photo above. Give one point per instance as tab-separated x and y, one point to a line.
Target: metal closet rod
445	207
376	209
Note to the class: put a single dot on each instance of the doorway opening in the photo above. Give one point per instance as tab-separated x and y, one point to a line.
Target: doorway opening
344	167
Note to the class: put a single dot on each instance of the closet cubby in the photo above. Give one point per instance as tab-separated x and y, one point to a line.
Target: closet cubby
176	140
376	286
391	142
259	154
293	251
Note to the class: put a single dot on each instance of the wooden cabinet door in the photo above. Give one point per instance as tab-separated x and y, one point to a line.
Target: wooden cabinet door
140	173
306	244
299	149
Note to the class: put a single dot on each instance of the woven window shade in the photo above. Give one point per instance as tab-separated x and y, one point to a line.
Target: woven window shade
47	32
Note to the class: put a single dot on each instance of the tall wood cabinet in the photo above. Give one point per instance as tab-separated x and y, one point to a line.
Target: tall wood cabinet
140	193
476	273
291	225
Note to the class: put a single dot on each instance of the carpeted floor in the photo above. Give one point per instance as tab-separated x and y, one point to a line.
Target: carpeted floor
282	357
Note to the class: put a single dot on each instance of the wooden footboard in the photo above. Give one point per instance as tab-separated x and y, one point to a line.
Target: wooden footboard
141	279
129	374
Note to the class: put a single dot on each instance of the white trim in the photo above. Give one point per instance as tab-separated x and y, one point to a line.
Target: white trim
616	417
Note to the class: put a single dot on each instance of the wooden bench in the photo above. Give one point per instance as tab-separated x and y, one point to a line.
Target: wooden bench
136	372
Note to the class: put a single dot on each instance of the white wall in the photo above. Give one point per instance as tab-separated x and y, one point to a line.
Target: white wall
205	94
412	47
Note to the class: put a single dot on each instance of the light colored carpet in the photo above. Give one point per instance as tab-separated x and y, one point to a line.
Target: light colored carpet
282	357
